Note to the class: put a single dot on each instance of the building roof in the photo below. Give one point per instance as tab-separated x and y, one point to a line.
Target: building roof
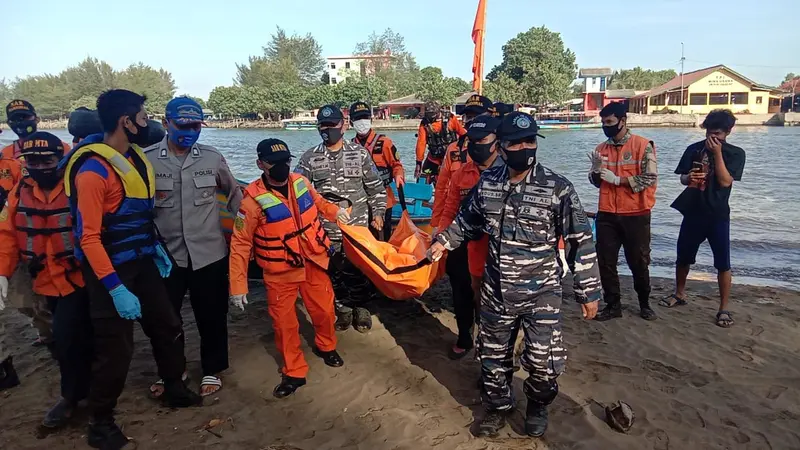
595	72
462	99
407	100
620	93
690	78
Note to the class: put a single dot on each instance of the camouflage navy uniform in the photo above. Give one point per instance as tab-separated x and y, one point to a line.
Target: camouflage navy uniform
522	282
350	173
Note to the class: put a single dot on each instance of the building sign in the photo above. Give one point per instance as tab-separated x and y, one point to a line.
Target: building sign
720	80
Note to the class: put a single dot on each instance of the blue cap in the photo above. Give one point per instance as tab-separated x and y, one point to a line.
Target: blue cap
183	110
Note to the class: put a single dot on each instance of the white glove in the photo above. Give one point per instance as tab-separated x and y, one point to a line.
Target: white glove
3	292
609	177
239	301
343	215
596	160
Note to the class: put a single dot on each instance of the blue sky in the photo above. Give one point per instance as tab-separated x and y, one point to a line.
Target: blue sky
201	41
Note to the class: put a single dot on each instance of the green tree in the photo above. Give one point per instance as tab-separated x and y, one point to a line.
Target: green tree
503	89
48	94
371	90
89	78
226	100
264	72
789	77
539	62
576	90
157	85
199	101
5	98
398	69
304	52
323	94
433	86
640	79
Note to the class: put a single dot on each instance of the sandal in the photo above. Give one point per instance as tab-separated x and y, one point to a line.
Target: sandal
672	301
210	380
724	319
157	388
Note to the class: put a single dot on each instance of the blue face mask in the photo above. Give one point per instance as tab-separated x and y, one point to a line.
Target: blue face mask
183	138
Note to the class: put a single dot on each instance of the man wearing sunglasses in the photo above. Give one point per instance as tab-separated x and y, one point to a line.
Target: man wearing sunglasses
188	176
524	208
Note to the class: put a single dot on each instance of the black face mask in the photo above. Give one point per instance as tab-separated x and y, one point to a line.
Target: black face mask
279	172
521	160
23	128
46	178
331	136
480	152
141	138
612	130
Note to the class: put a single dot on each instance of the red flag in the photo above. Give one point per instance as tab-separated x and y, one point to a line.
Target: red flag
477	37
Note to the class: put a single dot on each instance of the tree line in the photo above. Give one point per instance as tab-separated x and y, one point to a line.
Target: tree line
54	96
290	74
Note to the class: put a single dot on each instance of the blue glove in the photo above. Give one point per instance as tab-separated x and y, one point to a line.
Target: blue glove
162	261
126	303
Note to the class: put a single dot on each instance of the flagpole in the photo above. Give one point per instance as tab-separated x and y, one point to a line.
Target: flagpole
483	39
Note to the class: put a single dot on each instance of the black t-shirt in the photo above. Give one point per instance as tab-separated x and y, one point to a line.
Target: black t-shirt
708	198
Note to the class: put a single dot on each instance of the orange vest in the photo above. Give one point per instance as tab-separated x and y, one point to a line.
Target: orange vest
625	161
290	232
44	234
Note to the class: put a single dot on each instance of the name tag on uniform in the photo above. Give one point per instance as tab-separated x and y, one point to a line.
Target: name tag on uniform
538	190
533	212
493	194
199	173
493	186
163	175
537	200
320	164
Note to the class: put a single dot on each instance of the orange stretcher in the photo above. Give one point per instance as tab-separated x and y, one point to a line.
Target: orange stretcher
398	268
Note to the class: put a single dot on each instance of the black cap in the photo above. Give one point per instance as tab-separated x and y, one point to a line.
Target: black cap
42	143
482	126
273	150
477	104
516	126
501	109
19	108
83	122
360	110
329	114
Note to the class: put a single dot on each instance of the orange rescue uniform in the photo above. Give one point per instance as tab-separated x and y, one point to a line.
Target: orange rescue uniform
625	161
384	153
461	184
10	169
291	247
454	159
37	228
422	136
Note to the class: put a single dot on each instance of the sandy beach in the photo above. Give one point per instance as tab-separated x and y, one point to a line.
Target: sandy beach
691	384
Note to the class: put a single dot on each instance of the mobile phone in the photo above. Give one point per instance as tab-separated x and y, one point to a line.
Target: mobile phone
698	166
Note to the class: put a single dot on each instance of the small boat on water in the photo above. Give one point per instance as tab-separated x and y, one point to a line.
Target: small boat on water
297	124
565	121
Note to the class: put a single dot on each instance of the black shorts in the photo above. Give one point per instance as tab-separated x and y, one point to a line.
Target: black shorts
695	230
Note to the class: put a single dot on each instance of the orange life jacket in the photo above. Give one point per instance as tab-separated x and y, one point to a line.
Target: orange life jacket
44	232
374	145
290	231
625	161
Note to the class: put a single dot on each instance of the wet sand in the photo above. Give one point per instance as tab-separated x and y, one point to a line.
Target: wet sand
691	384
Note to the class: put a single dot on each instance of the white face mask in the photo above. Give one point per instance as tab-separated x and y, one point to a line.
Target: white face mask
362	126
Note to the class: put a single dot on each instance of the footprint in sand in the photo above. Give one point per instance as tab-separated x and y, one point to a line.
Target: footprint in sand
689	413
660	370
775	392
756	331
659	438
611	367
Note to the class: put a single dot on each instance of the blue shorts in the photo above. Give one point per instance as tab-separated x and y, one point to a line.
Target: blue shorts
695	230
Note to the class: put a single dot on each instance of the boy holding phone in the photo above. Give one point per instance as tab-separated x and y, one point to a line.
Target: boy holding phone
708	169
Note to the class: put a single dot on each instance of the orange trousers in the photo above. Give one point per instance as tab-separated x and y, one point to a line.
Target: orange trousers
317	294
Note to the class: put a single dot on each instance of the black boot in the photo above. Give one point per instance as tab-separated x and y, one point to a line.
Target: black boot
105	434
491	424
646	312
536	420
8	375
288	386
344	318
59	414
362	320
331	358
178	395
609	312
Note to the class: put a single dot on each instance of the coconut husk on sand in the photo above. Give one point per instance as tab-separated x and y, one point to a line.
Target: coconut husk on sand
692	384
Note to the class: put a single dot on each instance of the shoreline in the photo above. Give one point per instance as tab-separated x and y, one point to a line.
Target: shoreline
725	389
634	121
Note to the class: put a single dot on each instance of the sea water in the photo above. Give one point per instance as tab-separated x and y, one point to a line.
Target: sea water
765	216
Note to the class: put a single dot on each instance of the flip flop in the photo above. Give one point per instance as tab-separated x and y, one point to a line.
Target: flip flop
210	380
724	322
672	301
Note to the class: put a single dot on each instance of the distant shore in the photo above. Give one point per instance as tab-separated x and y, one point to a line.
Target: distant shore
634	120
